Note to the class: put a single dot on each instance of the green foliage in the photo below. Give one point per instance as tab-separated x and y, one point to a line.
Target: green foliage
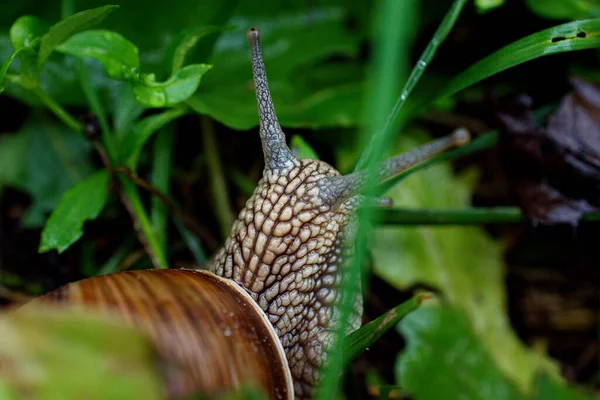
44	159
58	354
445	359
462	262
565	9
82	202
193	57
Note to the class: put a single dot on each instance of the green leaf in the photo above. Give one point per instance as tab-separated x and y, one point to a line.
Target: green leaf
143	130
55	159
302	149
179	87
366	335
577	35
25	30
550	389
69	27
464	263
118	55
82	202
184	42
565	9
444	359
487	5
66	354
308	90
13	150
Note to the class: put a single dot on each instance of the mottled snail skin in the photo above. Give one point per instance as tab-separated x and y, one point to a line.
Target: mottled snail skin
208	332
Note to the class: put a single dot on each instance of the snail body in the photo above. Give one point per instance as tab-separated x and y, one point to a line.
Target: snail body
265	310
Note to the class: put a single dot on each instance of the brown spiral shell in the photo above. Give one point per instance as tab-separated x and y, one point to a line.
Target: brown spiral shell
210	335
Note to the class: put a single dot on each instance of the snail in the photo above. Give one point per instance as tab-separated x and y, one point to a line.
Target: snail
264	310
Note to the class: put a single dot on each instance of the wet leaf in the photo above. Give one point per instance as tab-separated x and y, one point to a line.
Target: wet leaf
359	340
53	159
118	55
13	150
25	30
179	87
70	26
555	170
463	263
184	43
66	354
82	202
305	91
445	359
301	148
565	9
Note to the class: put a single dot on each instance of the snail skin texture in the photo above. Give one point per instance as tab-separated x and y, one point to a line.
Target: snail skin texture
265	310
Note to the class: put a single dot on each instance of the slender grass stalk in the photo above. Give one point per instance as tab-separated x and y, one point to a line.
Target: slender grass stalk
438	38
161	171
218	185
392	24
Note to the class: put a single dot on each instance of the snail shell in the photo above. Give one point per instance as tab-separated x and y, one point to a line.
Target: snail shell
210	335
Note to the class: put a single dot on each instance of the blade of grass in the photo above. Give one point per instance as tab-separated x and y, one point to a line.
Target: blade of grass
577	35
192	242
438	38
572	36
359	340
112	264
161	171
218	185
393	24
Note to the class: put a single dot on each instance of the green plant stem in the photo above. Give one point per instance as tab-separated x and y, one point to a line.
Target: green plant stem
218	185
133	202
470	216
161	170
58	110
438	38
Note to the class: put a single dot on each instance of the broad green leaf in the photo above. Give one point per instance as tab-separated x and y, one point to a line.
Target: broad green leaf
118	55
366	335
565	9
55	159
13	150
302	149
464	263
445	359
25	30
487	5
82	202
550	389
143	130
69	27
577	35
66	354
184	43
176	89
295	46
